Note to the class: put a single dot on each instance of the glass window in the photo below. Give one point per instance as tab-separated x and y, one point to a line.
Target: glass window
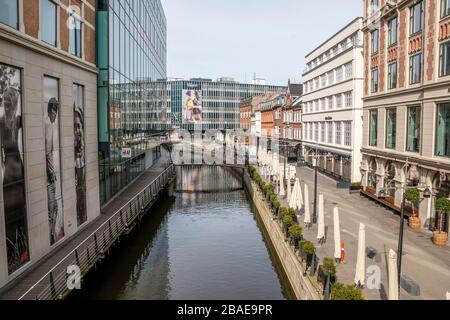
348	99
443	130
322	132
413	134
339	74
330	132
373	124
9	13
374	80
47	16
415	68
391	128
330	103
75	37
393	31
392	75
374	41
416	18
348	133
444	59
349	70
339	101
445	8
338	133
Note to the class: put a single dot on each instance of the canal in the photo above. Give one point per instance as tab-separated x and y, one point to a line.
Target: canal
203	243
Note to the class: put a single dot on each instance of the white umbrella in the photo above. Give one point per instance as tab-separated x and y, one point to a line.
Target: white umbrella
282	191
293	199
393	276
307	212
337	234
299	203
360	276
289	191
321	221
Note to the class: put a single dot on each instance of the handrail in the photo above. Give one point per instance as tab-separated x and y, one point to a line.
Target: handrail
168	169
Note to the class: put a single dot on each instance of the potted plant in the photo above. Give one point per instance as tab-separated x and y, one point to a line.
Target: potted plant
356	187
307	250
413	197
328	268
287	223
340	291
295	233
440	237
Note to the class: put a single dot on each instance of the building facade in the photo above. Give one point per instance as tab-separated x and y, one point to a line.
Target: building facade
48	128
406	137
332	103
203	104
132	59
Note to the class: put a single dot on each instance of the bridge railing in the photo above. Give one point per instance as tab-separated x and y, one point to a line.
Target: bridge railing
55	283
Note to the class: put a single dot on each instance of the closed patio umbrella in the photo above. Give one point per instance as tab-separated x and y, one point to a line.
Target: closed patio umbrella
282	190
307	212
293	200
288	189
360	275
393	276
337	234
321	221
299	195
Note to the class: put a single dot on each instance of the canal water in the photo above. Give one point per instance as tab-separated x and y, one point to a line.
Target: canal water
203	243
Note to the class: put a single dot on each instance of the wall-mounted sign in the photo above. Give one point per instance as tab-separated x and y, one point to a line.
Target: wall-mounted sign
328	118
126	153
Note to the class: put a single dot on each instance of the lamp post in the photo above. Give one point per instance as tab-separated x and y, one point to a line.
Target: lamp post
427	193
316	166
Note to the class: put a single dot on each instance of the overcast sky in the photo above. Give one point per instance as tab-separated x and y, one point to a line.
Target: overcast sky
236	38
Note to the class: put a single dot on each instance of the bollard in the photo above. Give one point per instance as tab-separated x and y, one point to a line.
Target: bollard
342	252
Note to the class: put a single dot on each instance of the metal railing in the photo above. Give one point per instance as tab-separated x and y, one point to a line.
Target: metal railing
53	285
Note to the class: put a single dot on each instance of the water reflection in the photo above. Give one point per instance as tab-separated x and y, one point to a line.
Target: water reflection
198	245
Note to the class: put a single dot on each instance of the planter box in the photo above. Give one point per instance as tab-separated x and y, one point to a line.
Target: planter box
353	189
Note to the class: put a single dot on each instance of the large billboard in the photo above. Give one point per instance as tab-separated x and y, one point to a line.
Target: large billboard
192	107
12	171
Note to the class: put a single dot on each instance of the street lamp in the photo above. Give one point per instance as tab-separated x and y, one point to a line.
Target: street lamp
427	193
316	168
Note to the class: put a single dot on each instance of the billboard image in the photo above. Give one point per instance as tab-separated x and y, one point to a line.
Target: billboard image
192	106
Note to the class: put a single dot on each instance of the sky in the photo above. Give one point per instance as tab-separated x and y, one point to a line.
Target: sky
238	38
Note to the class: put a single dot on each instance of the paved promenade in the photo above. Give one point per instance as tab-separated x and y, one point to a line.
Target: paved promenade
426	264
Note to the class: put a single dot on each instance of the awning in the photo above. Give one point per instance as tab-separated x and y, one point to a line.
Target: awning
330	150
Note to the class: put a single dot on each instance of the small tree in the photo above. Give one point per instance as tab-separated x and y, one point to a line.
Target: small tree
292	212
413	197
307	247
295	232
340	291
443	208
288	221
329	268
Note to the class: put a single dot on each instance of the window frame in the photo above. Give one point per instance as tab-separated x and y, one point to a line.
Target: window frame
371	138
372	82
372	42
55	26
445	8
412	18
442	58
438	105
16	27
73	33
392	82
408	110
394	131
390	29
411	68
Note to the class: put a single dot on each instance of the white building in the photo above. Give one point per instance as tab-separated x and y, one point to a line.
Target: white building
333	84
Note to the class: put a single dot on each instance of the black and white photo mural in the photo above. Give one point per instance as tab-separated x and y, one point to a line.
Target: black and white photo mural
53	159
12	168
80	153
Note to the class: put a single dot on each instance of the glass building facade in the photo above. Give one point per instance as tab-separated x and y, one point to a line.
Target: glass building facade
220	101
131	56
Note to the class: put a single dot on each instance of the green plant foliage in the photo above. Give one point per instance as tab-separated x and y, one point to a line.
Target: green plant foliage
295	232
340	291
276	204
307	247
412	196
443	205
329	267
357	184
292	212
287	219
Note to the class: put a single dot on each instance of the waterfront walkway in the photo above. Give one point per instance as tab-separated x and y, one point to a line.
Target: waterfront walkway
21	286
423	262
